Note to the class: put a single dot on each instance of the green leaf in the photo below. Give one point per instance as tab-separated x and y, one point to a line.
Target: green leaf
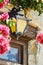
1	1
33	4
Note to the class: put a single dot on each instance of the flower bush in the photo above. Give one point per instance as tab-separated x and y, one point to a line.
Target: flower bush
4	39
4	30
4	16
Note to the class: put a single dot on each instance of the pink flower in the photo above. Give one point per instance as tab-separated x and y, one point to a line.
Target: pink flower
0	17
4	39
4	45
39	38
4	16
2	4
5	30
6	1
4	48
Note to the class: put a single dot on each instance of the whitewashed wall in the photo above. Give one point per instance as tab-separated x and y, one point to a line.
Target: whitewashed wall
38	20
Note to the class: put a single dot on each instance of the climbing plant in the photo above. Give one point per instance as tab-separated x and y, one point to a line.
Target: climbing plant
32	4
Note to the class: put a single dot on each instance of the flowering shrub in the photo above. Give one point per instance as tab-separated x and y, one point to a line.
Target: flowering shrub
39	38
4	30
4	39
3	3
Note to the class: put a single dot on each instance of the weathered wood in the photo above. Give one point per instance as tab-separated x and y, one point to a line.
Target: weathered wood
21	39
22	42
25	55
30	28
30	32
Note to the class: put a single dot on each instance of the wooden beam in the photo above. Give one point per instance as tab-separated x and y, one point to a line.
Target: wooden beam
22	39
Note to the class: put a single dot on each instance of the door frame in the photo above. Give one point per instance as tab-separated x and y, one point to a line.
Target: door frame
25	52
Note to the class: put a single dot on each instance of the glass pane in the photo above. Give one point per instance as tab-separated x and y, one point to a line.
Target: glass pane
12	55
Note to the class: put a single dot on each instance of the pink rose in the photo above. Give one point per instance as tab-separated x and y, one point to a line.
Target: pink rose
5	30
4	16
6	1
4	39
2	4
4	45
0	17
39	38
5	48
